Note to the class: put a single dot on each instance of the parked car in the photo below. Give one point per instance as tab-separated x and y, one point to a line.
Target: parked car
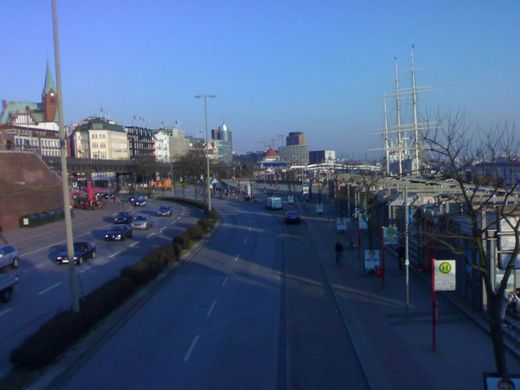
8	283
9	256
164	211
122	217
292	217
82	251
141	221
118	233
341	225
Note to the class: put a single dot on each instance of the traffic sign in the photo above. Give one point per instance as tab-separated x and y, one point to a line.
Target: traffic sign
444	276
390	235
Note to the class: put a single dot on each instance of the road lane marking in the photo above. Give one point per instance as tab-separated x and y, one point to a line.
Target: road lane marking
249	228
236	258
150	235
49	288
211	308
163	229
3	312
225	281
190	350
245	240
85	269
172	222
114	254
134	244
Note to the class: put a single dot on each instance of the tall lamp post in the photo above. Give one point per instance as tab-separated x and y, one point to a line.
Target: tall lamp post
205	97
64	172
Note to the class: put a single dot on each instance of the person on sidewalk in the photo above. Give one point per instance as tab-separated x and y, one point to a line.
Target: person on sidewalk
339	252
400	256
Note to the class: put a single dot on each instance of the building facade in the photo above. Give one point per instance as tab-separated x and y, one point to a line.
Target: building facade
141	142
222	139
296	150
322	156
170	145
98	138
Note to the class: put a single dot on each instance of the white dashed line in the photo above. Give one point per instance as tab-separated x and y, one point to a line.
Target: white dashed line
225	281
85	269
133	244
190	350
163	229
150	235
211	308
236	258
249	228
3	312
49	288
114	254
172	222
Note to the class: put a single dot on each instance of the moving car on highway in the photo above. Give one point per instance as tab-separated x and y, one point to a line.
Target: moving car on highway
8	283
118	233
292	217
82	251
142	221
9	256
164	211
122	217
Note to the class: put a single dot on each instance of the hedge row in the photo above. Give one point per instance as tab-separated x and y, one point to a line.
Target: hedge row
66	328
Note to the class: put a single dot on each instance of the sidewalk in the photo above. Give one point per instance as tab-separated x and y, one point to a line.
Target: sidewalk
396	350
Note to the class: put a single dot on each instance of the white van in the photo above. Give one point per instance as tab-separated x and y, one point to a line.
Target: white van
273	203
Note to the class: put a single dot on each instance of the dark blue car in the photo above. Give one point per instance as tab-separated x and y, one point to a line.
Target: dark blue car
118	233
82	251
122	217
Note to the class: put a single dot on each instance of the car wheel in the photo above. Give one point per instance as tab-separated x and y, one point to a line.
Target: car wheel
80	260
15	263
7	295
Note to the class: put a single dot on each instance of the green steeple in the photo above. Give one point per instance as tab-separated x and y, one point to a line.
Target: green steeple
49	82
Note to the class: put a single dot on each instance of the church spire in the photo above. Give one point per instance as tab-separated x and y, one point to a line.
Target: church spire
49	82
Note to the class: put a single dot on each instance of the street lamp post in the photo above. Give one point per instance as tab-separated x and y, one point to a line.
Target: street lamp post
205	97
64	172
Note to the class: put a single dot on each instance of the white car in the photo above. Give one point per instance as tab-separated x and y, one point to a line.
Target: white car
141	221
9	256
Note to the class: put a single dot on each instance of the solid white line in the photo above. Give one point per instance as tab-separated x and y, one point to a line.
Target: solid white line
114	254
236	258
150	235
187	356
5	311
211	308
225	281
134	244
49	288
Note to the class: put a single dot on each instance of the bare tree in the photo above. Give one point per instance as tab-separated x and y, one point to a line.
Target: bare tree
486	200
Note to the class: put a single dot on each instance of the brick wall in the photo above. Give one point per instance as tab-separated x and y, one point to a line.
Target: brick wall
28	168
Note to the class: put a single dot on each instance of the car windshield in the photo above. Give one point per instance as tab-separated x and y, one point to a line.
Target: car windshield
79	246
140	218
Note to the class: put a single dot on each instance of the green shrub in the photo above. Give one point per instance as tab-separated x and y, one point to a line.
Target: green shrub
50	341
182	241
139	273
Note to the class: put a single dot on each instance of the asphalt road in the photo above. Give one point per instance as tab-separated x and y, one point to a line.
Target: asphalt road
251	309
43	289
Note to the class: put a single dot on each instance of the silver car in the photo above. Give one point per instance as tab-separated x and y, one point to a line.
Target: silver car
9	256
141	221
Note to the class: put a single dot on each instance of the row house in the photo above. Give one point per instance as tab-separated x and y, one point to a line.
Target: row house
98	138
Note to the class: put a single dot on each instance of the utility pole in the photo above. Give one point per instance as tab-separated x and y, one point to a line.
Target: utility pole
73	281
205	97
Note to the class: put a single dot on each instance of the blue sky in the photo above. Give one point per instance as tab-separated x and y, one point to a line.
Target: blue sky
320	67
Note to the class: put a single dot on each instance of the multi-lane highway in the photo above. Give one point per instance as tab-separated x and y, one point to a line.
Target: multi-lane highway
251	309
44	286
